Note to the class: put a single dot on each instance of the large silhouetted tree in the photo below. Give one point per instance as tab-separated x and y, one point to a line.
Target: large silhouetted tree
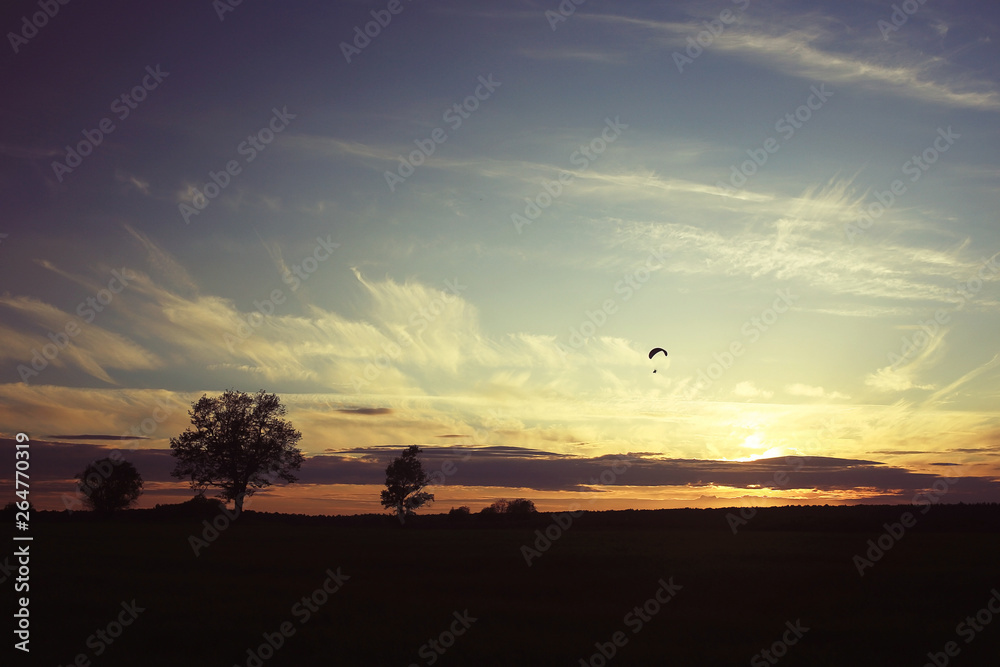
109	485
238	443
405	480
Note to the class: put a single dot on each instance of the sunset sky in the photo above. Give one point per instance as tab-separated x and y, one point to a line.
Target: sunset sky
467	231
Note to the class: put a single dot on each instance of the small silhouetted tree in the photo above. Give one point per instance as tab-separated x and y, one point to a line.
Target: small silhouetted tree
516	507
405	480
109	485
238	443
499	506
521	507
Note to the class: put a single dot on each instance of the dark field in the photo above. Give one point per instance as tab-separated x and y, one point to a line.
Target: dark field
406	584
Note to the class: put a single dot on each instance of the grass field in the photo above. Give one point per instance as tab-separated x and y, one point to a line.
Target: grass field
404	586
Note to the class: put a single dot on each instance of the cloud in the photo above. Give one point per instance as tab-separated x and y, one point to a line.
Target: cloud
96	437
68	341
938	396
788	238
902	374
59	462
747	389
366	411
141	414
799	53
132	182
815	48
164	264
797	389
521	468
526	468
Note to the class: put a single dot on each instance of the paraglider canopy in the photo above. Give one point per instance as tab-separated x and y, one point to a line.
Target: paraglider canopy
654	351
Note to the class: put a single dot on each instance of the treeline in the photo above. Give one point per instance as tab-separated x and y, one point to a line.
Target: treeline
960	517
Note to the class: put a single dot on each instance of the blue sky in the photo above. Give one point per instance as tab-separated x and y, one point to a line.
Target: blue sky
796	200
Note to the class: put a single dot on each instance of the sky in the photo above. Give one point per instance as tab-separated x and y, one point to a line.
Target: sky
464	225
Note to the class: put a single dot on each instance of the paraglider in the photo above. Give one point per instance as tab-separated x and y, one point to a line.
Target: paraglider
653	352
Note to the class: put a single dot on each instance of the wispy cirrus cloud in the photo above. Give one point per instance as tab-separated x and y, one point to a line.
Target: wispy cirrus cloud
814	47
92	348
802	53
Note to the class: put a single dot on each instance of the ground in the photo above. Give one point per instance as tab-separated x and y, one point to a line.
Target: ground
787	582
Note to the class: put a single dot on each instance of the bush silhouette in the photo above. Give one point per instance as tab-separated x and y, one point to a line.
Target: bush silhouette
109	485
519	508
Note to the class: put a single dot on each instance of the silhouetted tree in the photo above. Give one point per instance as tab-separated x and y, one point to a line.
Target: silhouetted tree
109	485
404	482
516	507
521	506
238	442
462	511
499	506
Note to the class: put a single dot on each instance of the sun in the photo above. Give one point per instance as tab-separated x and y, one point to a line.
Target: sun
758	441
